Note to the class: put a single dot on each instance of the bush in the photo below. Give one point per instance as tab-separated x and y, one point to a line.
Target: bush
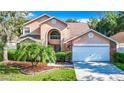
69	56
11	54
60	56
118	57
1	55
4	69
1	51
35	52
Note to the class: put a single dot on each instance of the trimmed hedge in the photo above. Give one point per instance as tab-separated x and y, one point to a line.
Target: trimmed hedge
118	57
64	56
69	56
60	56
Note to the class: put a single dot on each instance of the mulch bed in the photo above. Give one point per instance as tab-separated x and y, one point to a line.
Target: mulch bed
26	67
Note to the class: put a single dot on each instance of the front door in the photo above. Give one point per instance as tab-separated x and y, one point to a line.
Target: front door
57	48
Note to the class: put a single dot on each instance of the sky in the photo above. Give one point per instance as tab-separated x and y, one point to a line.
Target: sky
82	16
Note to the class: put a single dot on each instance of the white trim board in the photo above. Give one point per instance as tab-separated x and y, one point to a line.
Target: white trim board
91	45
28	38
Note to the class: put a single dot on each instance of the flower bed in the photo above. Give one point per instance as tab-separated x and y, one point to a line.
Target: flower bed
26	67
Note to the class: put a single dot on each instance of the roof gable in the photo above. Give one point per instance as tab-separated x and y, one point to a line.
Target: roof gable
30	38
88	32
51	19
37	18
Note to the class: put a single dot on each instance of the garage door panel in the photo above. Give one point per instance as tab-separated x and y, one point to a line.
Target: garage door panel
91	53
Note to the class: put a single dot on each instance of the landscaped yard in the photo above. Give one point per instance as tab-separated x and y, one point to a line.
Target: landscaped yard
52	75
11	71
31	64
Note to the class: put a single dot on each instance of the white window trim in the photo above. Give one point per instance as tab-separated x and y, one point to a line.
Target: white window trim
24	30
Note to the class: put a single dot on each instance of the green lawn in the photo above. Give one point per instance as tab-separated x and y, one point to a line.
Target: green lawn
52	75
120	65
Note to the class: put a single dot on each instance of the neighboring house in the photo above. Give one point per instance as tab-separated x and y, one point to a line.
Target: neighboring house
119	37
85	43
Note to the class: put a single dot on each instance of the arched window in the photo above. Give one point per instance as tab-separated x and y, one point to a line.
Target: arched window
54	34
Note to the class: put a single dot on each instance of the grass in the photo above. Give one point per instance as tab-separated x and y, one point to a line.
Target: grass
119	65
52	75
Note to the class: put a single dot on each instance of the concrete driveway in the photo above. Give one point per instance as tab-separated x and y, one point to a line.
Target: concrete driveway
97	71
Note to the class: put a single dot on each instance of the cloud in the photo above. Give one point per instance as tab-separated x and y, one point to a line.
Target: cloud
83	20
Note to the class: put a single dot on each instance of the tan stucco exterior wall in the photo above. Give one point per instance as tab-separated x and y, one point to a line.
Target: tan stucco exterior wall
97	39
34	25
47	26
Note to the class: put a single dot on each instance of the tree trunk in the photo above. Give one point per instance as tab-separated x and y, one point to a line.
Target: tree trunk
5	54
5	50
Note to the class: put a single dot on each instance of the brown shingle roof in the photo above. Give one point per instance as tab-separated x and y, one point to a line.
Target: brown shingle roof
32	36
119	37
77	29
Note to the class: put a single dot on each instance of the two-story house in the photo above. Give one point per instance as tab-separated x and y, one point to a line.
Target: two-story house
85	43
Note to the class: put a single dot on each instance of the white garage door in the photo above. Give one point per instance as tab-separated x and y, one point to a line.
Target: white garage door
91	52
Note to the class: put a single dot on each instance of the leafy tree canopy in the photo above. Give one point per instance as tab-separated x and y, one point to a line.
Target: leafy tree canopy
110	24
11	23
71	20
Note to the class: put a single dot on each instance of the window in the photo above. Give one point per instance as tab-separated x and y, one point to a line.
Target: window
55	35
53	21
26	30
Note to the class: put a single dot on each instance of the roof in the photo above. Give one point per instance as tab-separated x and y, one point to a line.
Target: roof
31	35
20	40
119	37
36	19
76	29
77	26
52	18
90	31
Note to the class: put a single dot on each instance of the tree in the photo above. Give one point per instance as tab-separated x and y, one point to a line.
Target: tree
35	53
120	22
107	24
71	20
93	22
10	26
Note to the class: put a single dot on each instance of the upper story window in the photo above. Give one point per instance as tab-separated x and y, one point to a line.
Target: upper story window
55	35
26	30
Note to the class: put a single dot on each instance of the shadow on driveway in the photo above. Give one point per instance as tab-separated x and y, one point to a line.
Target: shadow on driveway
97	71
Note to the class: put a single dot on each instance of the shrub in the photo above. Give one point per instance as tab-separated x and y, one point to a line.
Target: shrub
4	69
69	56
1	55
1	51
11	54
60	56
118	57
35	53
48	55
